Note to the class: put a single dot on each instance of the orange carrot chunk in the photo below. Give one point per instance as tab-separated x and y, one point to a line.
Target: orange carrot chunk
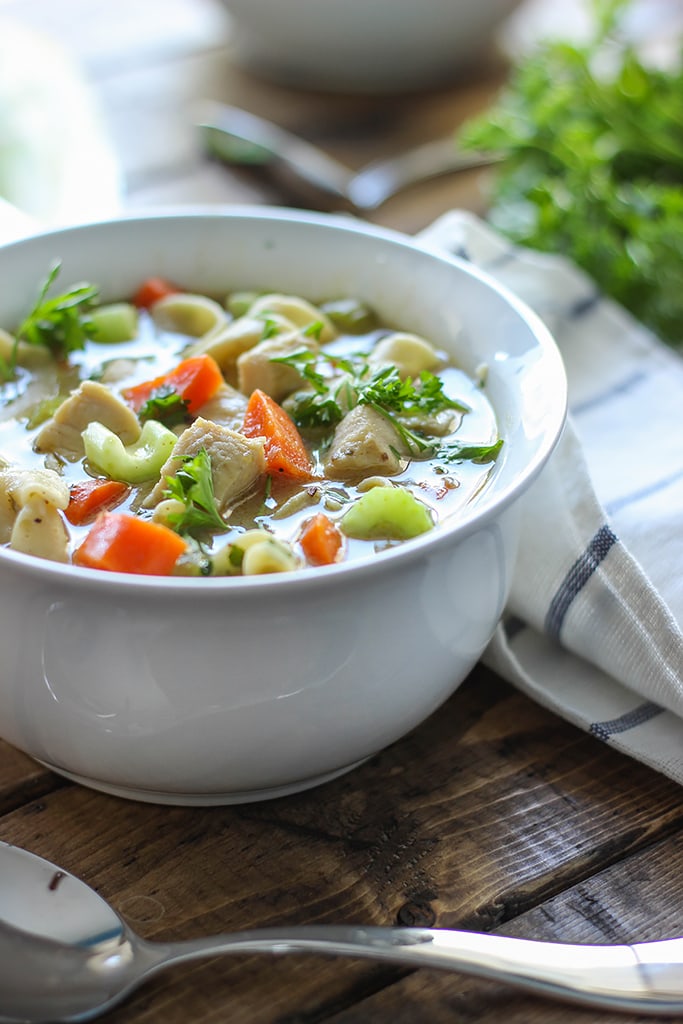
285	451
320	540
88	497
196	380
123	543
151	290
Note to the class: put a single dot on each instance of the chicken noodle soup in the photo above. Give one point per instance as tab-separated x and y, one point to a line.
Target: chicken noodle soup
175	434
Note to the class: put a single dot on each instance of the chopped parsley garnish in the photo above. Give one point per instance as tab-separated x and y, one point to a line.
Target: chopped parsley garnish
270	329
166	406
479	453
352	381
193	487
314	330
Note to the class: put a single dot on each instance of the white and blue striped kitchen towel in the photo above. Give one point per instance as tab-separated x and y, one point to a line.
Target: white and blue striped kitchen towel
594	625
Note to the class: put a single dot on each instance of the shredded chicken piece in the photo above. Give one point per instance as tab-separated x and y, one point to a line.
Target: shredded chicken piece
363	443
227	407
237	461
256	369
90	402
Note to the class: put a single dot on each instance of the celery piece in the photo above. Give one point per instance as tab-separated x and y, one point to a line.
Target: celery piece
134	464
239	303
386	513
350	315
43	410
114	323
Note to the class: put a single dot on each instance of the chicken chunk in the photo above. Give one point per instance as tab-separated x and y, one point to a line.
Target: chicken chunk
88	403
257	369
364	443
227	407
237	461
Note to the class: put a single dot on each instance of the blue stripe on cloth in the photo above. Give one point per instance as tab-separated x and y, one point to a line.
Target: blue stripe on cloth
584	305
643	713
613	392
576	579
502	259
645	492
462	252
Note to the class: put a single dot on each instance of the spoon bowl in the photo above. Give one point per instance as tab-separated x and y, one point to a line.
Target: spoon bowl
66	955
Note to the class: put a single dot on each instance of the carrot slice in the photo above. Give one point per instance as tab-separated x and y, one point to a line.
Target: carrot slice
123	543
88	497
151	290
320	540
196	380
285	451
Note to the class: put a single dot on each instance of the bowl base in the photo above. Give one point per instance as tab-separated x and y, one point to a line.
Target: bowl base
152	796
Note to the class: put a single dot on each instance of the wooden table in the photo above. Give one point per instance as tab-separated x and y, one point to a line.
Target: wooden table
494	815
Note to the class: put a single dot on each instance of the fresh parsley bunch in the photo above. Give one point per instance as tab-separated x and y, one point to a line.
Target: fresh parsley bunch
592	147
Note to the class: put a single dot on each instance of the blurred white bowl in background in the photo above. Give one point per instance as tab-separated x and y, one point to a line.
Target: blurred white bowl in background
363	45
56	162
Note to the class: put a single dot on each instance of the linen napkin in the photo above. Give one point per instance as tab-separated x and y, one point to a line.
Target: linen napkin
594	625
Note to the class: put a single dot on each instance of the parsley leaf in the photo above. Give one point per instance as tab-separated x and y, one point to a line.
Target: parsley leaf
389	390
166	406
193	487
592	144
479	453
352	381
59	323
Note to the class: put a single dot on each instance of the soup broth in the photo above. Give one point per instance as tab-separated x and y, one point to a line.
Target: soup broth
181	434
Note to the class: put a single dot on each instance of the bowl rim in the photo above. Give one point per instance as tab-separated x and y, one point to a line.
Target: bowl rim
479	513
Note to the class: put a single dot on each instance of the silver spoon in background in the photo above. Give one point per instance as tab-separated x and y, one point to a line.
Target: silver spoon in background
65	955
242	139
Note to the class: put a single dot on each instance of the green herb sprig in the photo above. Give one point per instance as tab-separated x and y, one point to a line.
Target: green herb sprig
479	453
193	487
592	144
166	406
352	381
60	323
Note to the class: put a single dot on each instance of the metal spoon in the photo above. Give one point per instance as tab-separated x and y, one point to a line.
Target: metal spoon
65	955
243	139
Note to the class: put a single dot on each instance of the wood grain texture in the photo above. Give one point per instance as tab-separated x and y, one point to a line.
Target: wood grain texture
492	811
21	779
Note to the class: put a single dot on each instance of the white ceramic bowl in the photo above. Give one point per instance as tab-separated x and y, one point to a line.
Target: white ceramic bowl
225	690
359	46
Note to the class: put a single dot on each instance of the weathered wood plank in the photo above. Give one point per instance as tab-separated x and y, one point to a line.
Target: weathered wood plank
22	779
492	806
636	900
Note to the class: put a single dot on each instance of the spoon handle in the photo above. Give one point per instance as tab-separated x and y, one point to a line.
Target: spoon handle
382	179
645	978
240	138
